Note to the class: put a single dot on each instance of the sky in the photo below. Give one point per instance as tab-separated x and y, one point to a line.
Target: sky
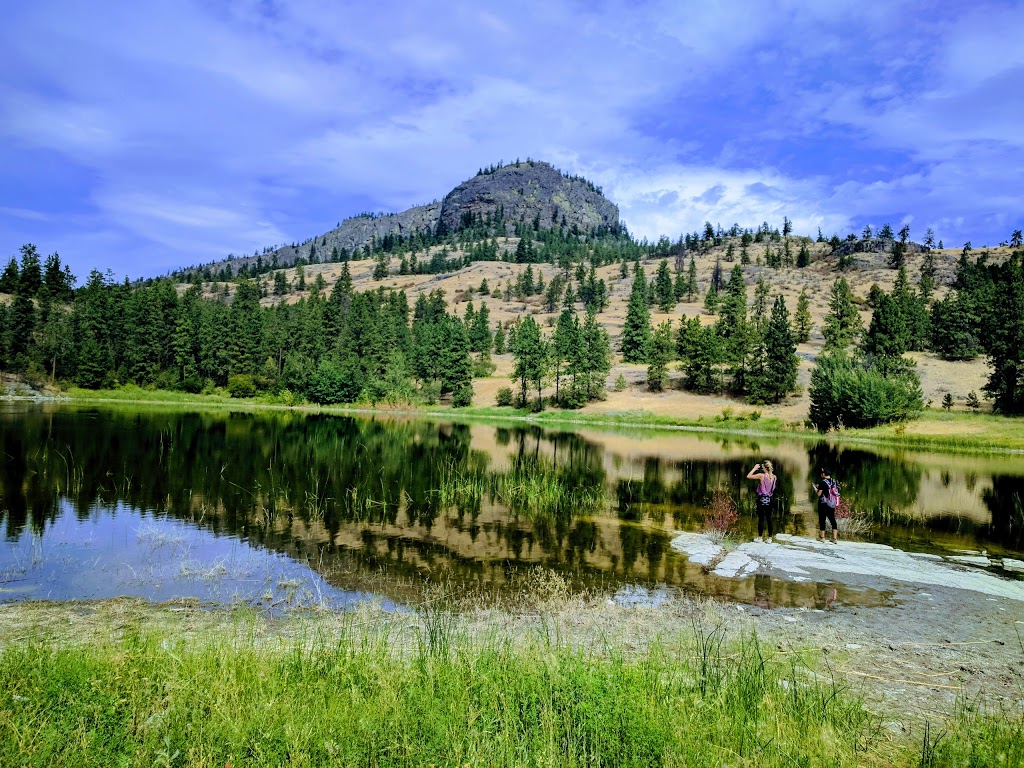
145	136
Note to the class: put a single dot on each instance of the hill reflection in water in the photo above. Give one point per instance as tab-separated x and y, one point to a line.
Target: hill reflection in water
385	503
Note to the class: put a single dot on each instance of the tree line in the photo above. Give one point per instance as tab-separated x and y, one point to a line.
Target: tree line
329	348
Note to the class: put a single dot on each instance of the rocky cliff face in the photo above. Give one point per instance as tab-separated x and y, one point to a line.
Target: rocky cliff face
521	192
526	191
876	245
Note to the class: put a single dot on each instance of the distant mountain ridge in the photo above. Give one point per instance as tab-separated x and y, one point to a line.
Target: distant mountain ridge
524	192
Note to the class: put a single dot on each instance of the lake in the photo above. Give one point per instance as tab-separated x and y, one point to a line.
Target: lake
284	509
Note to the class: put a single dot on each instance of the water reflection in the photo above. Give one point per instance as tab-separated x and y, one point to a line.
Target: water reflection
475	503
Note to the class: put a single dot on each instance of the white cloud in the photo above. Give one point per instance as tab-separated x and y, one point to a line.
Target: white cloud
193	129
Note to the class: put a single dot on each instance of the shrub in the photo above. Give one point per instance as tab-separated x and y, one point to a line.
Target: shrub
430	391
973	402
721	516
483	366
854	393
504	397
463	396
620	383
241	385
336	382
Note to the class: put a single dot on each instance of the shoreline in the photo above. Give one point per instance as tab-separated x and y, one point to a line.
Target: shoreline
948	437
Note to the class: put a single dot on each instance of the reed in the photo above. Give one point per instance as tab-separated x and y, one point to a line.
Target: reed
532	493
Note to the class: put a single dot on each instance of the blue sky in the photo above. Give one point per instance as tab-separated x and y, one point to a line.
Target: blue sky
143	136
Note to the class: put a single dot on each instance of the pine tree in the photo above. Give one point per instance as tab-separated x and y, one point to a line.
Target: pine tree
780	360
94	312
30	278
802	320
595	357
480	338
636	332
803	258
955	328
691	281
760	306
246	337
56	342
660	356
679	287
1003	339
23	323
732	329
663	288
711	300
57	280
532	359
565	343
456	367
144	335
842	323
926	282
10	278
700	355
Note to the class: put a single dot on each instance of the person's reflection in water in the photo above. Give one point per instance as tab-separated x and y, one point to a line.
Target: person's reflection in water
762	590
825	597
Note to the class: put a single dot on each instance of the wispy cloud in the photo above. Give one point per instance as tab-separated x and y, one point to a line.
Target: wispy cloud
148	135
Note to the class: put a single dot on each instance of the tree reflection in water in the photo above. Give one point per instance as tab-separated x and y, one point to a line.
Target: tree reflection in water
423	499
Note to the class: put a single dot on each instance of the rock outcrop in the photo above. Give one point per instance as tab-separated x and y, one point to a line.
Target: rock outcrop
876	245
521	192
527	191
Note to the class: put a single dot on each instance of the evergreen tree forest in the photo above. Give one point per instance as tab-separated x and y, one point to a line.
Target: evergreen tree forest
340	347
215	326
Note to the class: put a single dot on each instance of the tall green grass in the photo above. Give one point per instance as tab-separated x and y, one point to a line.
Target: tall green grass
355	700
532	492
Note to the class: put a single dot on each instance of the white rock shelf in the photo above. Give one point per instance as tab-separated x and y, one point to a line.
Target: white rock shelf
799	558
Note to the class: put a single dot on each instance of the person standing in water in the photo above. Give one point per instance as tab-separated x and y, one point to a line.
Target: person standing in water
827	504
765	491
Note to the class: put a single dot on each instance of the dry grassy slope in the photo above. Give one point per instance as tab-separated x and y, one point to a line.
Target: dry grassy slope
937	376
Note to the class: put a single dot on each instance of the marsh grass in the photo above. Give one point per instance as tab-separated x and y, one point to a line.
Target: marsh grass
533	492
356	697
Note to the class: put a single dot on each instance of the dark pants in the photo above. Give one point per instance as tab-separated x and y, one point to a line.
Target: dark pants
764	518
826	512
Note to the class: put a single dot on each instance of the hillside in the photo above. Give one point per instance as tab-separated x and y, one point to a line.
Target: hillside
390	320
500	197
461	287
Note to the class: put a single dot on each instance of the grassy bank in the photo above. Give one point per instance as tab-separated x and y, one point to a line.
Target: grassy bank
353	699
934	431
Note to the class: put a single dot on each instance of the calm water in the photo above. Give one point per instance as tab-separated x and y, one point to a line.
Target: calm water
285	509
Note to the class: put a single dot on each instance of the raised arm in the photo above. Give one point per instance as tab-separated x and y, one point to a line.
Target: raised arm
753	474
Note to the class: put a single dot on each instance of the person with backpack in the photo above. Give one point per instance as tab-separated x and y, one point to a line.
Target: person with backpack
828	499
765	491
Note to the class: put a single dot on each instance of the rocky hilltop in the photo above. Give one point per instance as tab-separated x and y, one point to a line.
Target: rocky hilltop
525	191
521	192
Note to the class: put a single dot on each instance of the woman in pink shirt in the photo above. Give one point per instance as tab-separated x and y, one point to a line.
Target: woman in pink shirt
765	490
